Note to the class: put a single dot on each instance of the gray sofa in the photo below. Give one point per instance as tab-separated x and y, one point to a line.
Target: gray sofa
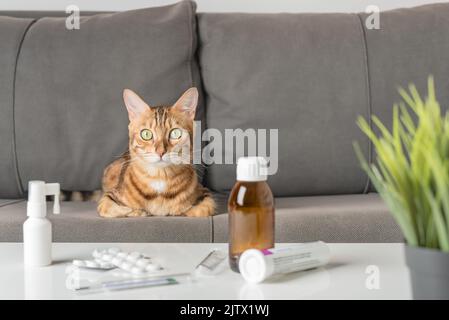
308	75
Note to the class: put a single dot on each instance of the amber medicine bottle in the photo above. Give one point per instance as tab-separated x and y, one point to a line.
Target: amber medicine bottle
251	210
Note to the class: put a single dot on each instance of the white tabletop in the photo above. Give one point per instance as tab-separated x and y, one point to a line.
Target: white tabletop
356	271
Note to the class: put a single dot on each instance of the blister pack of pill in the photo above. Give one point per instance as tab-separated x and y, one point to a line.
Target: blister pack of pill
132	262
93	264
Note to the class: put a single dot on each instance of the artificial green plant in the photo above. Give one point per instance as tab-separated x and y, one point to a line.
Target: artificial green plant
411	167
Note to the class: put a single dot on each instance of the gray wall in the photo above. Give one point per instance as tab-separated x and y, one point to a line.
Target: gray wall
218	5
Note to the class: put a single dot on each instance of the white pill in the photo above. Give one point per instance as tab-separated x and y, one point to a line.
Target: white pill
126	266
133	256
116	261
92	264
97	253
137	270
142	262
152	267
106	257
114	251
131	259
78	263
122	255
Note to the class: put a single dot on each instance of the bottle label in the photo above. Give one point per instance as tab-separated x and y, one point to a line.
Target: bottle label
266	252
298	257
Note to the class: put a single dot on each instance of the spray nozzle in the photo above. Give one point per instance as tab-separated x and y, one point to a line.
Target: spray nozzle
53	189
37	191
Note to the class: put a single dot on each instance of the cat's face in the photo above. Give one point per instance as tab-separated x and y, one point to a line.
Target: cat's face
161	136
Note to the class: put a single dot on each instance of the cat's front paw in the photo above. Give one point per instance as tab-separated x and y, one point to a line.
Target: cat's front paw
108	208
137	213
205	208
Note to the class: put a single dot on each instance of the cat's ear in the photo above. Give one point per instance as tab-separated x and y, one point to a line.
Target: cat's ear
187	103
134	104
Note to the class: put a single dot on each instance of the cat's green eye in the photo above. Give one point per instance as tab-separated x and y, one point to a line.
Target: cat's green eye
146	134
175	134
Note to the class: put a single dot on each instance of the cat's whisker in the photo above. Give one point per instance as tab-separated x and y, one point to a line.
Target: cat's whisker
129	161
148	154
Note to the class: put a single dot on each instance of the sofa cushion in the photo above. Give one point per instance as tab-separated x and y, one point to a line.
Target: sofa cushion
79	222
70	117
410	45
304	74
343	218
12	31
5	202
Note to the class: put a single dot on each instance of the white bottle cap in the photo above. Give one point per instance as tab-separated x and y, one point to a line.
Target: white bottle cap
253	266
252	169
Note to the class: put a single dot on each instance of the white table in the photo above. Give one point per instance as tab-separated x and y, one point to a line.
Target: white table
351	274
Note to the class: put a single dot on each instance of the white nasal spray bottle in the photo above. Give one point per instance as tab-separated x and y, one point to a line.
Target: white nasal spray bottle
37	233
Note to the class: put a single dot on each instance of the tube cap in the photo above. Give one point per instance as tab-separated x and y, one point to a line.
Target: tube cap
252	266
252	169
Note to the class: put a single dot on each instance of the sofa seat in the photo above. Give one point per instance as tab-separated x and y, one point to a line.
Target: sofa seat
343	218
79	222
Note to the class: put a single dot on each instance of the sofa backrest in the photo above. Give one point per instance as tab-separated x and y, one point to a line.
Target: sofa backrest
307	75
12	31
310	76
63	117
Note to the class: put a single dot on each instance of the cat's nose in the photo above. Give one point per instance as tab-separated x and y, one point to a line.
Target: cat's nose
160	151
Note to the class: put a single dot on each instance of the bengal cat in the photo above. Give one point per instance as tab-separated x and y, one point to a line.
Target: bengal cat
155	177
